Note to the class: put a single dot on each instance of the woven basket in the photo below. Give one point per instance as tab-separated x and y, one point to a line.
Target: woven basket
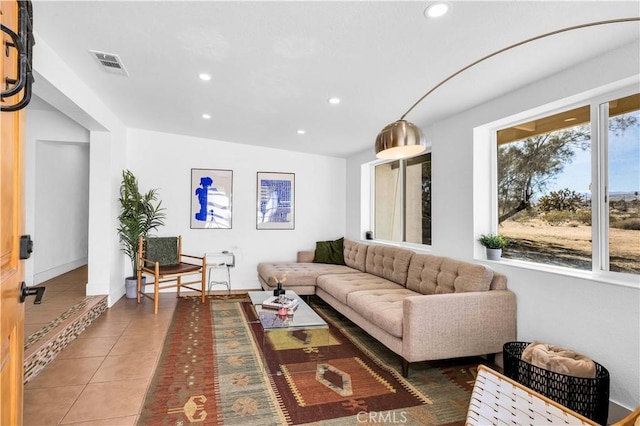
589	397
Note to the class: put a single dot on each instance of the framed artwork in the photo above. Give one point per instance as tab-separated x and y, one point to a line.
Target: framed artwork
211	196
276	201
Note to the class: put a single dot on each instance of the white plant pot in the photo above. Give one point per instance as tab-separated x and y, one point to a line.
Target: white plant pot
494	254
131	287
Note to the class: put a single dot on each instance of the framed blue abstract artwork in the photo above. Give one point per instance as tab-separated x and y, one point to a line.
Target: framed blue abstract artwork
211	196
275	201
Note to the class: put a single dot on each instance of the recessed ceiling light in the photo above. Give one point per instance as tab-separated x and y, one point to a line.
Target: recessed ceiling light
437	10
204	76
301	132
334	101
570	119
206	116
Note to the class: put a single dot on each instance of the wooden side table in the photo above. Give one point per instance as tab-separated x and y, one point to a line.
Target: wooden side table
220	260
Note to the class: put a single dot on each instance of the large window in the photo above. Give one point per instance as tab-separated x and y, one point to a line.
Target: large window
622	196
402	200
568	197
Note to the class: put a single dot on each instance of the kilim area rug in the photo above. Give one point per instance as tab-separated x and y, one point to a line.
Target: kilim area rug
218	368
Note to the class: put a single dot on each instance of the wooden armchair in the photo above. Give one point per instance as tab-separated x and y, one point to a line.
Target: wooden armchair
161	260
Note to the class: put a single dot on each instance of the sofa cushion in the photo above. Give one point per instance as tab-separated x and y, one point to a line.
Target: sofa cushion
330	252
340	286
430	274
299	274
305	256
388	262
499	281
355	254
382	307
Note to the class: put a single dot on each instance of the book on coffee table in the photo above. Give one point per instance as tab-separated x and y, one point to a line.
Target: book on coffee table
277	302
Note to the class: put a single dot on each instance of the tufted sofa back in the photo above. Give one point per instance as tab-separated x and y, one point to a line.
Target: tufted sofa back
499	281
388	262
430	274
355	254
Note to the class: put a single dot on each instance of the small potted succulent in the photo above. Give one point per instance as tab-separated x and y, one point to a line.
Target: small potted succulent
494	243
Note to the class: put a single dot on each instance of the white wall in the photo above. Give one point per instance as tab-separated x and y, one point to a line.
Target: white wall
164	161
56	194
601	320
358	220
62	208
58	85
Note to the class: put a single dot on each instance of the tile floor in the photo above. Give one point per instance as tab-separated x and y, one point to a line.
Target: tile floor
61	293
101	378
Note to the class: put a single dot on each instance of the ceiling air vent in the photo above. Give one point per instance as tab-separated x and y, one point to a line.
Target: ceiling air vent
109	62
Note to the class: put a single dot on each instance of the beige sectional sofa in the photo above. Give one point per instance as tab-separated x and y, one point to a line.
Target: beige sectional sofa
422	307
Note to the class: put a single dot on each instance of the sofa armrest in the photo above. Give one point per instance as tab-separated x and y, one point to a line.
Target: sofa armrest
454	325
306	256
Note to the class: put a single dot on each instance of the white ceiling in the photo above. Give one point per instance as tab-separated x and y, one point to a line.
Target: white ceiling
275	64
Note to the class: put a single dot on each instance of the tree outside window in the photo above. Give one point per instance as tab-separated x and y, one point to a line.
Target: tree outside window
545	187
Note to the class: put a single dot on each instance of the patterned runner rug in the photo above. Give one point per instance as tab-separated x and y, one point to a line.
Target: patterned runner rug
218	368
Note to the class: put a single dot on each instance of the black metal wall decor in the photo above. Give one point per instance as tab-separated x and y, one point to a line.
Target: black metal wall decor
23	42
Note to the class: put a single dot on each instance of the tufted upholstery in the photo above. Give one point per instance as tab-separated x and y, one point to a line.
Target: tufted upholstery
298	274
420	306
391	263
382	307
439	275
355	254
340	286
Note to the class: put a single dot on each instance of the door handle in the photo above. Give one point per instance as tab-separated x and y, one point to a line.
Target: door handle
25	291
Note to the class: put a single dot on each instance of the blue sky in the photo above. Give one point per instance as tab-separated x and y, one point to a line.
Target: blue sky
624	165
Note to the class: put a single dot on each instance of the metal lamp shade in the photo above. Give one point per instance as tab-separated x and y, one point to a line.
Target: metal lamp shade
400	139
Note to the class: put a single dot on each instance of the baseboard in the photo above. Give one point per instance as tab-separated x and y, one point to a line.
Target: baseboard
115	294
40	277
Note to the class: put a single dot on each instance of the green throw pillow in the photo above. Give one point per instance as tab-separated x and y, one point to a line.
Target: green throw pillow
330	252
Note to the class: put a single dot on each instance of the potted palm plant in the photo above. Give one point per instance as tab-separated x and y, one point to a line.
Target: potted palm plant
493	243
139	214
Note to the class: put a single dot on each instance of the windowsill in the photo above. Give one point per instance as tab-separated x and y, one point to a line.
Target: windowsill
418	248
612	278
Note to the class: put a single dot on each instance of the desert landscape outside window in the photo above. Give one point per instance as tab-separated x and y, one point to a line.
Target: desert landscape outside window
545	188
624	184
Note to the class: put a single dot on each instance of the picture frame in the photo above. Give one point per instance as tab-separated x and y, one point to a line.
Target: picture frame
211	198
275	202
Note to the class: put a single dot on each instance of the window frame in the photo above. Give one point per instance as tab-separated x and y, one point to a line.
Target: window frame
372	201
485	155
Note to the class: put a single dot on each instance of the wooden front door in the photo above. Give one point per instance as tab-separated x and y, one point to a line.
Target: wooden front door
11	227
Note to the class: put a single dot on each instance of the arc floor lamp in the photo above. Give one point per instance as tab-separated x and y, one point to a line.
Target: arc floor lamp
403	139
